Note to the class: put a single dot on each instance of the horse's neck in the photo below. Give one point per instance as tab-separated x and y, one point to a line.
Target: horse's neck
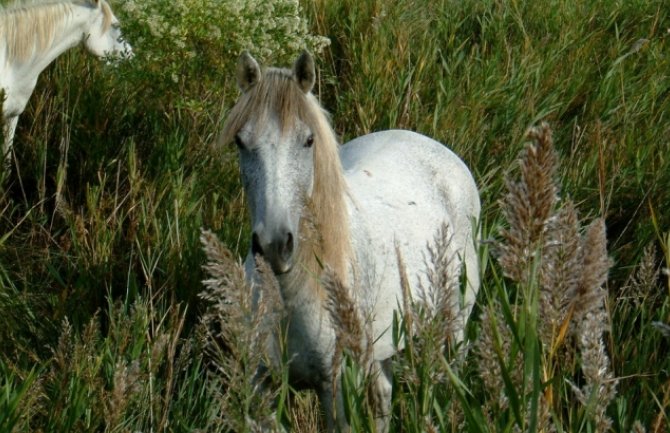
69	33
303	290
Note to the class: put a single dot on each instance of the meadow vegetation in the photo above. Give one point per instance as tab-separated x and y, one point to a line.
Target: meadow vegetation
106	325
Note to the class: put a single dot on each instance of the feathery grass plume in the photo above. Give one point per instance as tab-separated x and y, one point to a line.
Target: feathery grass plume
561	257
591	295
538	251
591	319
351	328
559	278
352	362
439	299
428	329
543	417
74	379
119	379
500	357
642	284
124	387
563	273
638	427
528	204
237	331
494	334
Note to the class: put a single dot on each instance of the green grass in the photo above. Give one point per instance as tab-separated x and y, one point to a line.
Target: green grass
100	258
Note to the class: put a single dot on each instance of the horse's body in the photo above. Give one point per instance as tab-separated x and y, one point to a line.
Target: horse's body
33	34
403	186
315	204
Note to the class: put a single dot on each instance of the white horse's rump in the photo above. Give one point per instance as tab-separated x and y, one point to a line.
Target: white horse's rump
33	34
314	204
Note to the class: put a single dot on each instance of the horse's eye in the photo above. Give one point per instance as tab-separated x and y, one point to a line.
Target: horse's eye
238	142
310	141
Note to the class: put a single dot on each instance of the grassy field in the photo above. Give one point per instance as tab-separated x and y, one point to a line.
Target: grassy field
105	324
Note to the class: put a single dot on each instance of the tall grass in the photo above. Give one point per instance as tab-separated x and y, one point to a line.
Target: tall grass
101	324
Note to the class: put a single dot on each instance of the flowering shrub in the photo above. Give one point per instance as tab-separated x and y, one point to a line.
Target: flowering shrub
177	41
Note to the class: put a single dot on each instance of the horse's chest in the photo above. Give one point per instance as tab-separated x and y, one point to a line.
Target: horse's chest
17	95
310	344
308	369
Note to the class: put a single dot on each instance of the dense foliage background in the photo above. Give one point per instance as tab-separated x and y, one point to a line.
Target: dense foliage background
115	175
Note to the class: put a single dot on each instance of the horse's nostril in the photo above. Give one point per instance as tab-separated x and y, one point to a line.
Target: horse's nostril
289	243
256	248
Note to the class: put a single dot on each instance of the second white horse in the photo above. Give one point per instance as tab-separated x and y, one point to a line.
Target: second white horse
33	34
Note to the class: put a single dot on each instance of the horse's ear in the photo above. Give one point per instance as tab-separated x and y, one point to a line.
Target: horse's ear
303	71
248	71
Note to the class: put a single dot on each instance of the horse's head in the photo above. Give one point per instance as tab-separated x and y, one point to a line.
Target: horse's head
103	37
273	127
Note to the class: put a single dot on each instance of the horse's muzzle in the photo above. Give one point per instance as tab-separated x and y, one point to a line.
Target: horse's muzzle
278	251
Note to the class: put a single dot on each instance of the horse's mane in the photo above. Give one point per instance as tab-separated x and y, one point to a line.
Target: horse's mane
324	223
32	25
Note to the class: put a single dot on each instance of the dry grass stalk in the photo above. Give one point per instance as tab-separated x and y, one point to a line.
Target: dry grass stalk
226	275
125	388
353	335
561	256
660	424
528	204
351	329
544	416
433	315
431	324
495	333
638	427
642	285
572	271
406	291
537	235
305	413
591	319
591	296
439	300
238	331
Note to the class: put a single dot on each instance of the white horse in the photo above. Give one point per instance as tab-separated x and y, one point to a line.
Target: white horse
315	204
33	34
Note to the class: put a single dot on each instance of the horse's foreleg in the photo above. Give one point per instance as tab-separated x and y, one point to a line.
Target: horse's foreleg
332	408
383	393
262	384
332	403
8	136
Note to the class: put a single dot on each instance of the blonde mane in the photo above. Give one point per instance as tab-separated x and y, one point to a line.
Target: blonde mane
324	227
29	27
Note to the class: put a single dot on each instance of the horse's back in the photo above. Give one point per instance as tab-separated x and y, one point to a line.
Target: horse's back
405	160
403	187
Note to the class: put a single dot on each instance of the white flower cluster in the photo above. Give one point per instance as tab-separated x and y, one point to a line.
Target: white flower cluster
178	30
